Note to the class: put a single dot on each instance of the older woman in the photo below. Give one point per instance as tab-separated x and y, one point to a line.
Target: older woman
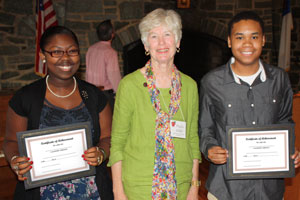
60	99
155	146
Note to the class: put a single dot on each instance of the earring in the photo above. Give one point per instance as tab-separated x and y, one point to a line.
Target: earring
177	49
147	53
44	60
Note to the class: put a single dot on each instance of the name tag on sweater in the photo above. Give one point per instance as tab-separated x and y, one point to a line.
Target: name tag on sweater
178	129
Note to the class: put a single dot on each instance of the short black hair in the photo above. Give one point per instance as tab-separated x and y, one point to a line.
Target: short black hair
105	30
245	15
56	30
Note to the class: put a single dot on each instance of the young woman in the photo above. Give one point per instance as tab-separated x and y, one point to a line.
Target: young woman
60	99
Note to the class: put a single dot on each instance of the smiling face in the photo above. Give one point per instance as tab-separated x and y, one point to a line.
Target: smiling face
161	45
65	66
246	42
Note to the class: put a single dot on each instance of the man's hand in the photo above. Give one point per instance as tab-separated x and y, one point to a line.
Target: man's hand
218	155
296	157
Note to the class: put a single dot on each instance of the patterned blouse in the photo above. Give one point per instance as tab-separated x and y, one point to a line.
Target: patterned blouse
84	188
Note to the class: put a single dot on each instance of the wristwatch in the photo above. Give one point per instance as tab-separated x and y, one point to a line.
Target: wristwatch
195	183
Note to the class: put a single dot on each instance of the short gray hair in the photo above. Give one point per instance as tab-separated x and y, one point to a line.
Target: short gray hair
159	17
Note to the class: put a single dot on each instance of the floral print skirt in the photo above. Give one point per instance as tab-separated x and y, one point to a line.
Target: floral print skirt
82	189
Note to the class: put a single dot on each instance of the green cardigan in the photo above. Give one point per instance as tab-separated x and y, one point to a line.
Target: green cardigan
133	130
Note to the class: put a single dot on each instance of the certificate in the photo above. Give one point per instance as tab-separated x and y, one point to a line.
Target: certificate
260	152
56	153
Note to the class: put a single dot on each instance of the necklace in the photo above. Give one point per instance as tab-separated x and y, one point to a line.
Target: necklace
168	108
59	96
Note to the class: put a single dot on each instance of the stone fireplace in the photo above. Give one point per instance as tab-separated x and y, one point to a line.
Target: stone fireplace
203	47
199	53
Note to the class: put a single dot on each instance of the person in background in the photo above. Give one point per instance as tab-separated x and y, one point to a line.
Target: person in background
102	66
154	151
243	92
60	99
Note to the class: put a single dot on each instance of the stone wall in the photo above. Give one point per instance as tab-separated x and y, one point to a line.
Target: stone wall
17	28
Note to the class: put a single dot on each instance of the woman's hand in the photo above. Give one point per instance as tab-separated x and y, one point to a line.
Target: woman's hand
93	156
218	155
20	166
15	123
193	193
296	156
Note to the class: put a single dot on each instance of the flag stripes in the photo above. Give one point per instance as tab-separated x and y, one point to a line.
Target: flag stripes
45	18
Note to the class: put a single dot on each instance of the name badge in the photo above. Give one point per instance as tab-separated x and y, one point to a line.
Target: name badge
178	129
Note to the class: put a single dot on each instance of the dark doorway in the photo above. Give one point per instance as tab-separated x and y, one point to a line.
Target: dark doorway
199	54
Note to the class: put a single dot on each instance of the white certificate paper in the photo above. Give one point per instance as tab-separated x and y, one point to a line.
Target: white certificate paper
57	154
260	151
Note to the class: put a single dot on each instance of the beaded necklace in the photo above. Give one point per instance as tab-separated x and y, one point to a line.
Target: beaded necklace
60	96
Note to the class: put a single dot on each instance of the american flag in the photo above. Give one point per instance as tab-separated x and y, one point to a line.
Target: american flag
45	17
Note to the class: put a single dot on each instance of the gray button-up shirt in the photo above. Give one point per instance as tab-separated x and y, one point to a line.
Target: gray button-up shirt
225	102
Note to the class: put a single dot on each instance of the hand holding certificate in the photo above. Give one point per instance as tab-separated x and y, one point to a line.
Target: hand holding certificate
260	152
57	153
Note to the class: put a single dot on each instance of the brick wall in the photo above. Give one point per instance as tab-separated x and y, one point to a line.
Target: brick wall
17	28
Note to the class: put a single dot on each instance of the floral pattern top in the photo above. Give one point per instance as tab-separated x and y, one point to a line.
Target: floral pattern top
84	188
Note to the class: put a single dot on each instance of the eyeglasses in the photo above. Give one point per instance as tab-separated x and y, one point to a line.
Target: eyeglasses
60	53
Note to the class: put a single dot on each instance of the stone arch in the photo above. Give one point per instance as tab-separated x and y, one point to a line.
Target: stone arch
219	30
129	34
209	27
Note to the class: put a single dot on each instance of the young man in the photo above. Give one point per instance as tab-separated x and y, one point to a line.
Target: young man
243	92
102	66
